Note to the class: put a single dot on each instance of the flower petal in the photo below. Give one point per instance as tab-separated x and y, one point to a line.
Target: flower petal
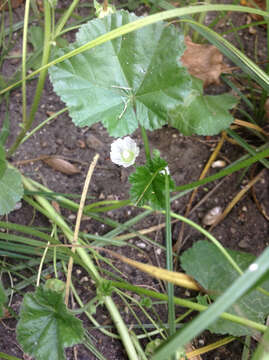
124	151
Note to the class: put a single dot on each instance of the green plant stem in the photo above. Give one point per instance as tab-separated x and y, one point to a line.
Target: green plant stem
24	55
146	143
62	21
27	121
85	257
190	305
169	258
267	9
6	47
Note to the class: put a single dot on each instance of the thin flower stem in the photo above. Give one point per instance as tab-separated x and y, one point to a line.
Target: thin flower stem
65	17
24	55
146	143
169	258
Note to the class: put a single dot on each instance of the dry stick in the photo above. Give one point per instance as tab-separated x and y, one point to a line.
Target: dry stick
259	205
235	200
250	125
208	195
203	174
77	226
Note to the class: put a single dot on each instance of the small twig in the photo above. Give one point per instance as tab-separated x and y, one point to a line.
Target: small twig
238	197
258	204
77	226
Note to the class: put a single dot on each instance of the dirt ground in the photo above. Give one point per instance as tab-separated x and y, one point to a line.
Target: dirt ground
245	228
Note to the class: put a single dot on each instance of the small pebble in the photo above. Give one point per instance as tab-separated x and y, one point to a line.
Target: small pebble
141	245
218	164
212	215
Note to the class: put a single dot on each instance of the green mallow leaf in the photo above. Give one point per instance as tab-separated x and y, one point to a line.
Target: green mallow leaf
205	263
148	183
134	79
3	162
46	326
11	190
205	114
3	300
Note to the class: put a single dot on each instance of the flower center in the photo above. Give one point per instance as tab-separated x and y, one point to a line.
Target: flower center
127	155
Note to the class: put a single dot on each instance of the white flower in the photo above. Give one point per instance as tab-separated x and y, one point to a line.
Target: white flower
165	170
124	151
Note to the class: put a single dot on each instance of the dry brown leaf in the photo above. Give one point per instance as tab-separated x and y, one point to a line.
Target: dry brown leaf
14	4
261	4
61	165
203	61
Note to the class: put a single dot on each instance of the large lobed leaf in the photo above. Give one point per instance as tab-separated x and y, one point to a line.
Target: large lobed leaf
11	190
136	79
205	114
133	79
206	264
46	326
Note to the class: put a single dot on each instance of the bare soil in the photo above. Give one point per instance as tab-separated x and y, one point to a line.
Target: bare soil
245	228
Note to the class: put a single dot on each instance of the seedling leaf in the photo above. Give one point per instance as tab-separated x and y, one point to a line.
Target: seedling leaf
46	326
126	81
11	190
205	263
148	183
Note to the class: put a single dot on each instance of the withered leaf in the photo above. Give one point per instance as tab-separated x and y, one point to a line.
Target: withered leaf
203	61
61	165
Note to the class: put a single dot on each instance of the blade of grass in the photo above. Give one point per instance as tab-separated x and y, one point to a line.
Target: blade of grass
246	146
169	259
